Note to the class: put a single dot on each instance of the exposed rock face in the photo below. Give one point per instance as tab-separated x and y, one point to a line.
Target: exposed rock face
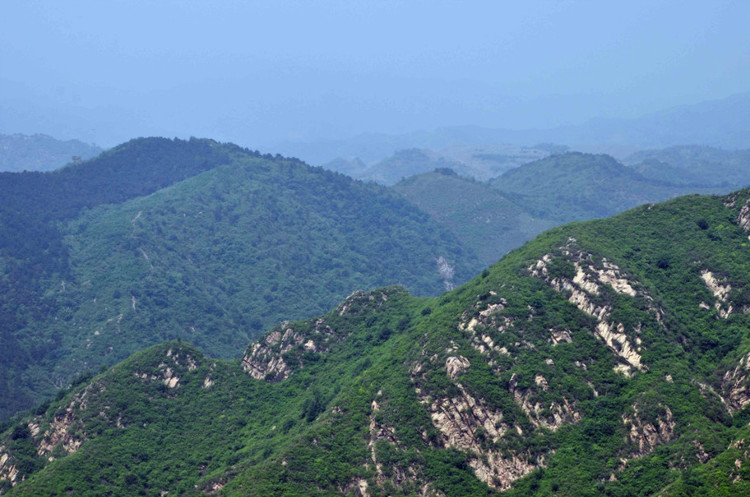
483	320
61	430
213	487
734	385
743	219
357	487
8	470
454	365
469	424
584	290
264	359
720	292
379	432
459	418
743	457
269	358
168	369
559	413
482	315
647	434
559	336
701	454
616	339
408	479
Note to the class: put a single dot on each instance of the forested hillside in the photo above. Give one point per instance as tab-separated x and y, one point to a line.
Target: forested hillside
482	218
602	358
576	186
160	239
33	255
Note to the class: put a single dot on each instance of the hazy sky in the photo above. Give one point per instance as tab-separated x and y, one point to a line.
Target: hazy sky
258	72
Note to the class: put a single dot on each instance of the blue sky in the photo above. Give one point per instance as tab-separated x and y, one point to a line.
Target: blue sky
260	72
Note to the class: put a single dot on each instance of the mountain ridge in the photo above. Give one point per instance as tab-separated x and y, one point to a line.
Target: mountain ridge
244	241
716	123
606	357
578	186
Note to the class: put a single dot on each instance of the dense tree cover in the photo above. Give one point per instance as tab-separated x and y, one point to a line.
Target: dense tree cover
480	216
32	252
493	219
576	187
159	239
355	409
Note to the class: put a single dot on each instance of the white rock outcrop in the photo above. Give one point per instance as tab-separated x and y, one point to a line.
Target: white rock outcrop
743	219
720	293
454	365
550	416
468	424
584	288
646	435
734	385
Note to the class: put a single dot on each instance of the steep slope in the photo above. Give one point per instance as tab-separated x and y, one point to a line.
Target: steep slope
32	253
576	186
480	216
34	203
694	165
41	152
214	258
602	358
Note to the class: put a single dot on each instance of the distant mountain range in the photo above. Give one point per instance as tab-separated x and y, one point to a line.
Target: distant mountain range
495	217
721	123
482	163
41	152
693	165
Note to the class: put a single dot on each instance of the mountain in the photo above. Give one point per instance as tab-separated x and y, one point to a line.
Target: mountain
576	186
481	217
405	163
482	163
34	256
41	152
160	239
694	165
721	123
717	123
602	358
374	147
